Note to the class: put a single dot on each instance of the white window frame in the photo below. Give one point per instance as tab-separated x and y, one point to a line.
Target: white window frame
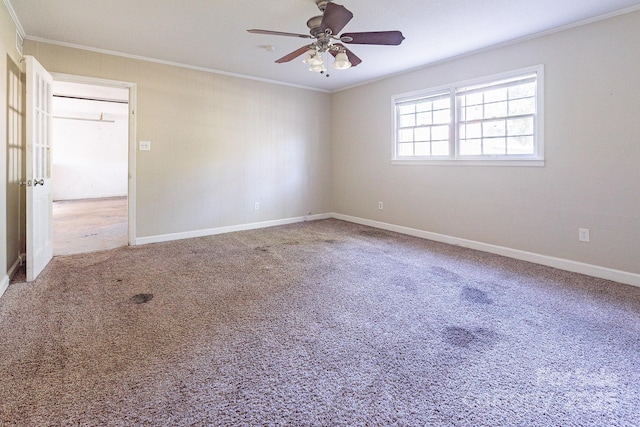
454	158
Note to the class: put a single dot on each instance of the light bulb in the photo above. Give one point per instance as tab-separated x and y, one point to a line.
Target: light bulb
309	56
342	61
318	68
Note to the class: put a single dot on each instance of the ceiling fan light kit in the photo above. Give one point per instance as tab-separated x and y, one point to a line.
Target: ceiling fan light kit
342	61
324	30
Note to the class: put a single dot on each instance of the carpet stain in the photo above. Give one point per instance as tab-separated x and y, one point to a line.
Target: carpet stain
372	233
405	283
445	274
141	298
277	246
475	296
467	338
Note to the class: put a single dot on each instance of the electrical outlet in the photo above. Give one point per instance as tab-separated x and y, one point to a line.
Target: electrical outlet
145	146
380	205
256	206
583	235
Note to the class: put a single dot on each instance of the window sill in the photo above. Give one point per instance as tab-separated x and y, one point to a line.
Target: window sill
488	162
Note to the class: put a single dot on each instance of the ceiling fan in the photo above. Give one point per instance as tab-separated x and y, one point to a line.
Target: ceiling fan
324	30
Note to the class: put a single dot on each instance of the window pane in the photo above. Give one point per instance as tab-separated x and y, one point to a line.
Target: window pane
405	135
520	126
496	95
440	132
471	147
473	130
423	119
405	150
494	146
441	116
422	134
473	113
522	106
407	121
520	145
522	91
494	128
496	109
441	104
422	149
406	109
440	148
473	99
423	106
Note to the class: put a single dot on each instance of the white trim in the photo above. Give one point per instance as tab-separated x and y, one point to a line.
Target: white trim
131	189
19	43
14	17
171	63
463	162
4	284
453	90
16	264
228	229
560	263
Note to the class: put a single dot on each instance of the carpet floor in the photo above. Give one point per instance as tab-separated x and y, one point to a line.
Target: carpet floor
324	323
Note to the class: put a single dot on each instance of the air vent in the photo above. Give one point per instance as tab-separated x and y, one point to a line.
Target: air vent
19	42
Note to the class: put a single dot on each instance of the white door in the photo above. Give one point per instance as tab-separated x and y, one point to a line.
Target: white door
39	188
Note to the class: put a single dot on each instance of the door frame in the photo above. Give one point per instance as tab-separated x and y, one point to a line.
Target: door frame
131	186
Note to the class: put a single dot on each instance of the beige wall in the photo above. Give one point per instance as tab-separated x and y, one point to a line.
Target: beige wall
11	147
592	146
218	143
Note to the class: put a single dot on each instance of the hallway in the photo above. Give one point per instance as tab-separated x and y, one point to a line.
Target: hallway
89	225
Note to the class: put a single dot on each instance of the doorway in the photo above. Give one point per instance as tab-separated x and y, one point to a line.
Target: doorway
91	130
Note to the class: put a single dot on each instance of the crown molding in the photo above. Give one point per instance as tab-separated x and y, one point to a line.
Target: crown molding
499	45
14	17
170	63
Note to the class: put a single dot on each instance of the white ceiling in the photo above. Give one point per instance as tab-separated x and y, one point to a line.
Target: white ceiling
211	34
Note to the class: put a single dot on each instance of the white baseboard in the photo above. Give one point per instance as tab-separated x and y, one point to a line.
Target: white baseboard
229	229
560	263
4	284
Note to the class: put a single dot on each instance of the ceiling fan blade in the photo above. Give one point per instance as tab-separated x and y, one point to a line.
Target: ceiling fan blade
352	57
279	33
335	18
293	55
392	38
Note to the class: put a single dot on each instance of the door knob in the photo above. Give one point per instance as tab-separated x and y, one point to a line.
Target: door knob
36	182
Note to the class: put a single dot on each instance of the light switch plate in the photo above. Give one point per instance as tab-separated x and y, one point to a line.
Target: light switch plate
145	146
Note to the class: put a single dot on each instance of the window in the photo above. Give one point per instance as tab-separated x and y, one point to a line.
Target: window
424	126
496	119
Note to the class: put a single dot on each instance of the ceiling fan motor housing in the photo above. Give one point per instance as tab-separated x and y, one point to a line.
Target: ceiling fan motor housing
322	4
314	25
